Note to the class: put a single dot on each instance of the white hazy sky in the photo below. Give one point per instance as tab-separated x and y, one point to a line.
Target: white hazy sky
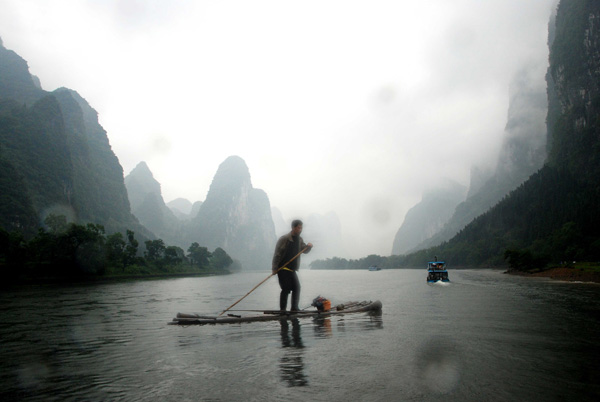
334	105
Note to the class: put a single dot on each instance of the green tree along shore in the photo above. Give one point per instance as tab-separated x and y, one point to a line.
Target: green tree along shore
70	251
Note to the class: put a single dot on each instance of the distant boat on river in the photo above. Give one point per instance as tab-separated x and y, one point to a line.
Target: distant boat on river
436	272
374	268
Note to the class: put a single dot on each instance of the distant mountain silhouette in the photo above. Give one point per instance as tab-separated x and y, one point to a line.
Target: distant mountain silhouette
148	206
181	207
523	152
184	209
281	226
428	217
236	217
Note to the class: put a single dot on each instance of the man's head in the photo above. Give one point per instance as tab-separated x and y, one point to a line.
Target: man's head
296	227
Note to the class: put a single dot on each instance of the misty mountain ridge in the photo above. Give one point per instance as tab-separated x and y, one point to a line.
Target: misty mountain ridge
16	82
281	225
236	217
139	183
147	204
183	208
553	215
182	205
231	182
429	216
523	152
53	146
56	158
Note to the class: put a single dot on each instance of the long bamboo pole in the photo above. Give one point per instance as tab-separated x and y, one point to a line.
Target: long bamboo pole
263	281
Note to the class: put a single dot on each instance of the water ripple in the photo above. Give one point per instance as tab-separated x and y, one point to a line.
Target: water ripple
486	337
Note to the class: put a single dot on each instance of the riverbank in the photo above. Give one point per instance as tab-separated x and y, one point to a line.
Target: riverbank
110	278
570	274
54	280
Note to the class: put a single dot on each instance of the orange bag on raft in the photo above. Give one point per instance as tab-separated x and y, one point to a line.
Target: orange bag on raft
321	303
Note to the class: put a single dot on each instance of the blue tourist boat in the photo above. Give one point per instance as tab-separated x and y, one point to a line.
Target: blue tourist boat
436	272
374	268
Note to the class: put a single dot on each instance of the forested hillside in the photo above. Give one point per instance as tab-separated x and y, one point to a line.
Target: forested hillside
523	153
64	208
428	217
553	216
56	157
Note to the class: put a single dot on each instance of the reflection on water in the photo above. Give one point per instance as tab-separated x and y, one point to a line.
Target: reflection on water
364	321
323	327
437	363
488	336
291	363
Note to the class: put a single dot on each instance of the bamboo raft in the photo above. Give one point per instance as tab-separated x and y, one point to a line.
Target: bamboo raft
274	315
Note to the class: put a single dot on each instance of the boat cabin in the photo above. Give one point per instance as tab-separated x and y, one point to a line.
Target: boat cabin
436	271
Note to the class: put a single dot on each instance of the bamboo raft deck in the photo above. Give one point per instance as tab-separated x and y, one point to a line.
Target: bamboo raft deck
274	315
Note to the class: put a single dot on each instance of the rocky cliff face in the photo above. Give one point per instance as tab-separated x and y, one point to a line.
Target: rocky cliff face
553	216
139	183
575	71
148	206
15	80
236	217
523	153
54	143
98	188
281	226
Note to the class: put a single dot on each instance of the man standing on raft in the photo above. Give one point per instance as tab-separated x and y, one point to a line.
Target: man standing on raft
289	246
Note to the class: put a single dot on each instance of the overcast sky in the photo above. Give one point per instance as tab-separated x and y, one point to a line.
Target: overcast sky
334	105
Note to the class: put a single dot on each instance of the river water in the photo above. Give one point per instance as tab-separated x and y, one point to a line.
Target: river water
484	336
